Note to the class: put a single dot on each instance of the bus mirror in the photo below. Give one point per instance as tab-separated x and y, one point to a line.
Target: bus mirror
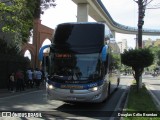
40	55
104	53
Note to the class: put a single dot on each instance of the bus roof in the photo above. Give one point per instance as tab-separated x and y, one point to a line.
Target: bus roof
80	37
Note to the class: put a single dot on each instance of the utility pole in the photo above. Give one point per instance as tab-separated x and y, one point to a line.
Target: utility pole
141	14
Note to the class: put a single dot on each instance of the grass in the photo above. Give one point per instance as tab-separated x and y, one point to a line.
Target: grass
140	101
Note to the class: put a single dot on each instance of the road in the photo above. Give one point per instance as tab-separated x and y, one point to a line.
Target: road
36	101
153	84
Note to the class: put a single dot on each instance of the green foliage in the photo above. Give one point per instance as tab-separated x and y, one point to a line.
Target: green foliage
138	102
138	58
16	17
11	54
116	61
158	57
156	51
8	49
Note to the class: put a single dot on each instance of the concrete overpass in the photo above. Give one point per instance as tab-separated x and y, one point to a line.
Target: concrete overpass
98	12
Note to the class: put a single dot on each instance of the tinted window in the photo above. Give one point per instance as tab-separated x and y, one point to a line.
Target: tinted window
77	66
82	38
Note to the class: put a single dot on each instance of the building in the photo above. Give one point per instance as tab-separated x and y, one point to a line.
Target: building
122	45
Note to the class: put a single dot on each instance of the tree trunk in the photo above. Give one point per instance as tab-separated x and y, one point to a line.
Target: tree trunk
138	77
140	81
140	37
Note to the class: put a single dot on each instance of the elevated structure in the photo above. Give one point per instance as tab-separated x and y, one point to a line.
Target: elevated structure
98	12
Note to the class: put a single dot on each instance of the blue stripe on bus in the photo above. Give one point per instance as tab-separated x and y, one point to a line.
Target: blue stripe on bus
75	86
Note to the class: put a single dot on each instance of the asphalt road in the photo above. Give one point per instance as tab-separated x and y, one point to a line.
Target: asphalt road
36	102
153	84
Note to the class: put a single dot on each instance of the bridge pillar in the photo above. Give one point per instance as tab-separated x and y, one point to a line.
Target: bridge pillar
82	12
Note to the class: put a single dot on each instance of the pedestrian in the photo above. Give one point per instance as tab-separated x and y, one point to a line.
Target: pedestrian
12	82
29	78
34	77
19	80
38	78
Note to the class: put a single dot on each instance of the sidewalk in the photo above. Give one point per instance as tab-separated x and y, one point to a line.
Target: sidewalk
7	93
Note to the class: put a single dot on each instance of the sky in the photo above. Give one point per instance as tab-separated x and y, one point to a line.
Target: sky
124	12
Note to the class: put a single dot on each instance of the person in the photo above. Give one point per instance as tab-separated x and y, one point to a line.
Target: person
29	78
38	77
34	76
19	80
12	82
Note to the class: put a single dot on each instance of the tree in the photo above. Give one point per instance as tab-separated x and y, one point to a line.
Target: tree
142	5
158	56
16	16
8	50
16	19
41	6
156	52
138	59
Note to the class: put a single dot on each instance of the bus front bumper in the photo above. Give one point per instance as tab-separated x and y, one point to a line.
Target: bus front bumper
75	95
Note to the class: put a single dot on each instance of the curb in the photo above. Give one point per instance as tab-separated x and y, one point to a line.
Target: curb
126	102
119	105
154	98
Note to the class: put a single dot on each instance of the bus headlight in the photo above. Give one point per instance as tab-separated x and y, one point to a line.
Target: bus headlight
50	87
93	89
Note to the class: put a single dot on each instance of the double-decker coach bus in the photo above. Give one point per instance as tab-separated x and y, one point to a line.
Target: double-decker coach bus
82	66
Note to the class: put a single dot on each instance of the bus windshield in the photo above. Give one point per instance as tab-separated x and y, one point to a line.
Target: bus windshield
76	66
73	37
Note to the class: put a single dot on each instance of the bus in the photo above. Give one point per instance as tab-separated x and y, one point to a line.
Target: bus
83	63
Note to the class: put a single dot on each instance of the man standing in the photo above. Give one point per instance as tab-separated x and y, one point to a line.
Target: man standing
19	81
30	78
38	78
